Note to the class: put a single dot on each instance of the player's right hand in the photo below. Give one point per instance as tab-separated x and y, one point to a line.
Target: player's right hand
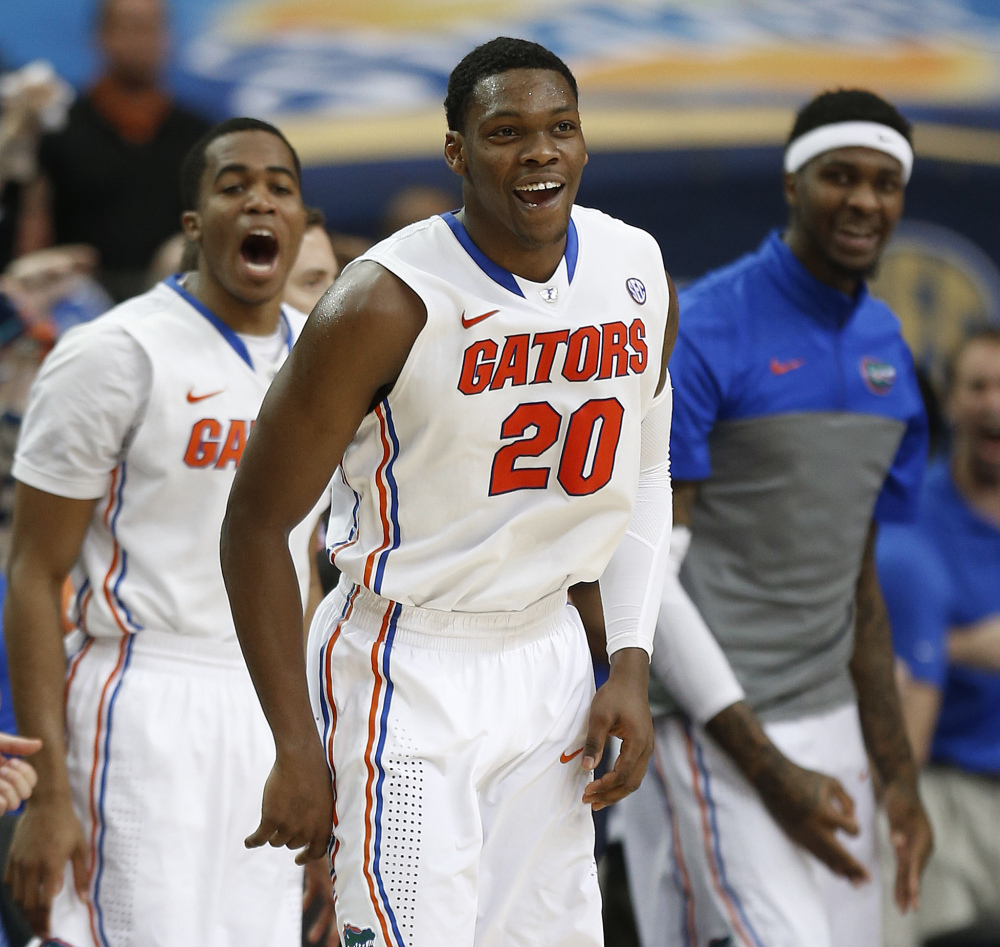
47	836
297	809
811	808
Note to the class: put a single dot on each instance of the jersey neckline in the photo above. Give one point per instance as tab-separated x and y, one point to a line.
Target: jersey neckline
497	273
227	332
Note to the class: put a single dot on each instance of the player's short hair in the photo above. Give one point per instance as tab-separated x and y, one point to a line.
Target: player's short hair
315	218
102	12
848	105
193	166
987	332
491	59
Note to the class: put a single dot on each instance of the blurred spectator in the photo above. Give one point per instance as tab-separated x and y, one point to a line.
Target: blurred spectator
42	294
941	581
315	268
32	100
113	171
416	203
168	260
348	247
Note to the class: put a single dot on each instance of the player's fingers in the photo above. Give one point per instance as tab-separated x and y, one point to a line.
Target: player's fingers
261	834
316	849
81	875
598	727
19	746
841	810
829	851
631	763
20	775
907	871
9	798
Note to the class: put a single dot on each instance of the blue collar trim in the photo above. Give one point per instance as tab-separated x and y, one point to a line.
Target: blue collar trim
229	334
572	250
496	272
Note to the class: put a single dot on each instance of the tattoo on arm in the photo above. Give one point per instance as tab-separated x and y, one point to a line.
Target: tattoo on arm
872	668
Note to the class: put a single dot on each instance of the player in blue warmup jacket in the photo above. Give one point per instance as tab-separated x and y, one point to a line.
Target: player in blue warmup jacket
798	429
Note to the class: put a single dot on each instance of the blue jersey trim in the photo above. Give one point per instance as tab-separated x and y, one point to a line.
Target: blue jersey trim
493	270
228	334
572	250
497	273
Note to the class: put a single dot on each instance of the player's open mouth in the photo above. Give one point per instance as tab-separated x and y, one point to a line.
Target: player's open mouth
259	252
543	192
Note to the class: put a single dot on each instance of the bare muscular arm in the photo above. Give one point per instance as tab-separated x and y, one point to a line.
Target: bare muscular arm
47	536
872	668
348	356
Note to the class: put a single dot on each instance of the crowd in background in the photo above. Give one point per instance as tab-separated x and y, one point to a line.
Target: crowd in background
89	216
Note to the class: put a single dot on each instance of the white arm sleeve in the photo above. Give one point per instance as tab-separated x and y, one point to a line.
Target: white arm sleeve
687	659
633	580
90	393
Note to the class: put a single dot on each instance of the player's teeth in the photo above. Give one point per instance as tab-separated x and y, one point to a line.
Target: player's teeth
544	186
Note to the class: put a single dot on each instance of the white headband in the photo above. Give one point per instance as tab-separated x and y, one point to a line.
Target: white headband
873	135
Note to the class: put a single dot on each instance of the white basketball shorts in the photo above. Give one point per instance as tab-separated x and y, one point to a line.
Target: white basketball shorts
168	752
708	865
453	745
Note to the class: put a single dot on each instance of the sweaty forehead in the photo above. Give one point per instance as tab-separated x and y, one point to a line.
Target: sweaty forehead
253	148
520	90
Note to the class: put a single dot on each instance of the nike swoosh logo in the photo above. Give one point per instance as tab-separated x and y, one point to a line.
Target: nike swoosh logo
566	757
194	399
469	323
783	368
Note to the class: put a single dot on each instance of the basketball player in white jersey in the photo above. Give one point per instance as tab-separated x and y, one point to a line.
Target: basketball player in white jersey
493	386
134	430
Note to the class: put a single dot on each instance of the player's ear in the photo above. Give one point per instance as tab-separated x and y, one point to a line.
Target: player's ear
191	225
454	151
791	188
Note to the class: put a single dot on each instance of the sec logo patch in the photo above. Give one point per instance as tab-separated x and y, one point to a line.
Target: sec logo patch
636	289
879	376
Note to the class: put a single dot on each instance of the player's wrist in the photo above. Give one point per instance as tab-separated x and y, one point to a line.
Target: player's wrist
630	663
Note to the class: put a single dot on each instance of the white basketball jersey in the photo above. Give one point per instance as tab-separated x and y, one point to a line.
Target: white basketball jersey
503	465
151	556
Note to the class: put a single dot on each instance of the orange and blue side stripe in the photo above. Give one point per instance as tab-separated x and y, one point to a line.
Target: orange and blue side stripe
388	494
119	557
701	783
682	878
352	536
377	728
99	785
329	708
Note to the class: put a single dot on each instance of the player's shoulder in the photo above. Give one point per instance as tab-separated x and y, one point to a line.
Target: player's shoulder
727	291
593	224
117	321
418	244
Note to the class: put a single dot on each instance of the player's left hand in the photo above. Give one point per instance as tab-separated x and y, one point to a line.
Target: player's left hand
620	708
911	838
318	898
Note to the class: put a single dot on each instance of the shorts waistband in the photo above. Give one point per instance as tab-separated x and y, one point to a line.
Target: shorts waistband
438	630
184	649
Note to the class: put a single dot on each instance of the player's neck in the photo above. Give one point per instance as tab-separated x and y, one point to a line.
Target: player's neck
535	262
977	482
250	318
818	264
